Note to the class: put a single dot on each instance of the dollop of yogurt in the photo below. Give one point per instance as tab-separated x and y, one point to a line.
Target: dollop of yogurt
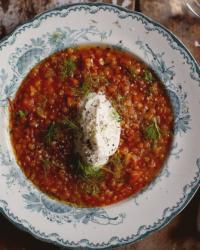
100	125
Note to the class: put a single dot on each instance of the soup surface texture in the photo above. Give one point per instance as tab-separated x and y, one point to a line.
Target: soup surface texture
44	122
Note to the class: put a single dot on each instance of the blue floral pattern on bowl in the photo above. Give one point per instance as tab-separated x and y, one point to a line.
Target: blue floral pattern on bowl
49	219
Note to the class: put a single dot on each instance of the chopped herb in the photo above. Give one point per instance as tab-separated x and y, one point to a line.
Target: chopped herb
91	177
69	124
115	115
89	81
83	90
21	113
152	132
69	66
51	133
88	171
116	160
148	76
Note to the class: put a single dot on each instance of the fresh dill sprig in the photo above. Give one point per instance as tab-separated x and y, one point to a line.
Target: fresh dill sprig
51	133
70	124
115	115
68	68
152	132
89	171
84	89
148	76
89	81
21	113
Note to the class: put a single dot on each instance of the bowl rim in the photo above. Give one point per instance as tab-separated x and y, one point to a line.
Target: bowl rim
156	226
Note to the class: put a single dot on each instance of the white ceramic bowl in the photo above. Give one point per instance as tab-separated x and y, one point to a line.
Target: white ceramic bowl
132	219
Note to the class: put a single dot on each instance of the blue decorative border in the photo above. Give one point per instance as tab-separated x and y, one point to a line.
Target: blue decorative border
188	191
168	214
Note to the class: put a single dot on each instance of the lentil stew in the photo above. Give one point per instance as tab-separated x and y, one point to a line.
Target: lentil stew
43	122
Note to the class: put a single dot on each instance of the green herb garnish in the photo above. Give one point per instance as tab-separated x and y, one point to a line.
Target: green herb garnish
152	132
21	113
148	76
83	90
88	171
51	133
91	177
89	81
115	115
69	124
116	160
69	66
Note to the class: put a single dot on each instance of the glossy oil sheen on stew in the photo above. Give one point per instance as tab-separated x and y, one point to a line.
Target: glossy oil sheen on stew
43	123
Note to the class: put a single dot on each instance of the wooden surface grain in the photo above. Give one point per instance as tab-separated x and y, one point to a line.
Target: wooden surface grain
181	233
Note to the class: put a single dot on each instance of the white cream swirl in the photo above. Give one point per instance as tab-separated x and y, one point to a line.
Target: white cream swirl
100	135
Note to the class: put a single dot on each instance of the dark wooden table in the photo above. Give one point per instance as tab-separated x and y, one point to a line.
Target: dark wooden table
179	234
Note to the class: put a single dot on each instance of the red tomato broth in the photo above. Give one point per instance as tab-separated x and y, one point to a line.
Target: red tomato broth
52	91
